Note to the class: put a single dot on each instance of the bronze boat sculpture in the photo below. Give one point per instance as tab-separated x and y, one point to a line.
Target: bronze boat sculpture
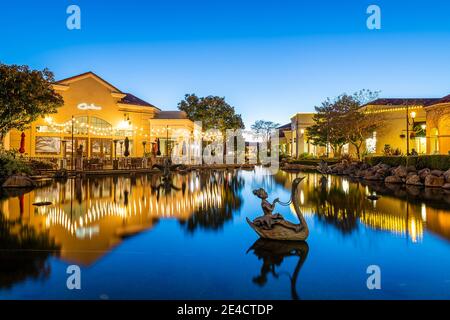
273	226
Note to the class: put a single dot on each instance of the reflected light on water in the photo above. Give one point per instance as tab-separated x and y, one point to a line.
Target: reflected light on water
197	220
424	212
345	186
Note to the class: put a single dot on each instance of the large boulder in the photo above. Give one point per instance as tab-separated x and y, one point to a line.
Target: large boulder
384	172
447	176
19	181
414	180
411	169
437	173
339	168
400	171
351	169
411	174
434	181
373	177
360	173
393	179
364	166
446	186
424	173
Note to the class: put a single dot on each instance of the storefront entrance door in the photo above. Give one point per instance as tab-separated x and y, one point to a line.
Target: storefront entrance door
101	148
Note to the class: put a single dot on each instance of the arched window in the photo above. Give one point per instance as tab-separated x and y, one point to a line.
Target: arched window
100	123
80	126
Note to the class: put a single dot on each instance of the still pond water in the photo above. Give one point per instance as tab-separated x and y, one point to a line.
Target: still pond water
134	237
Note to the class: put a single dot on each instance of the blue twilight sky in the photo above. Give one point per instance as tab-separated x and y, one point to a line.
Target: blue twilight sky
270	59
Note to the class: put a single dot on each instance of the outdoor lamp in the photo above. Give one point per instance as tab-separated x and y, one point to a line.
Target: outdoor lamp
302	131
413	116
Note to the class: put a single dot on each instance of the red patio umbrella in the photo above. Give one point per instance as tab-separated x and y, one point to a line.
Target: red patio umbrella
22	143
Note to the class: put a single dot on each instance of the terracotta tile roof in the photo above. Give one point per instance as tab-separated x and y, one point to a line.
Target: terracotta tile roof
445	99
402	101
285	127
132	99
171	115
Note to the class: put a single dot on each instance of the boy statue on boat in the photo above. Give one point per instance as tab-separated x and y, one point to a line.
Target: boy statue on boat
274	226
268	220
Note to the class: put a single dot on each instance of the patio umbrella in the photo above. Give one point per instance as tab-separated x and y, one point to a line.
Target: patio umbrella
126	153
22	143
158	147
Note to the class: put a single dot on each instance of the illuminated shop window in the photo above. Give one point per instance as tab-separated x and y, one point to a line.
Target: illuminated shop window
48	145
345	148
371	143
434	140
46	129
80	126
77	143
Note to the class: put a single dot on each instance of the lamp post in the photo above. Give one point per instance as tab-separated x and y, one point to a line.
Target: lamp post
115	162
72	147
144	143
302	132
413	133
413	116
64	154
167	141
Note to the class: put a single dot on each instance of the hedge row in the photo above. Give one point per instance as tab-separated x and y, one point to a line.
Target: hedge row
438	162
10	165
313	162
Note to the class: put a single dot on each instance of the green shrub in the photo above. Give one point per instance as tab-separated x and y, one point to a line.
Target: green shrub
439	162
10	164
305	156
37	165
313	162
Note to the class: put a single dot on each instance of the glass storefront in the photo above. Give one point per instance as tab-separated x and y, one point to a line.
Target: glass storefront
101	148
48	145
94	134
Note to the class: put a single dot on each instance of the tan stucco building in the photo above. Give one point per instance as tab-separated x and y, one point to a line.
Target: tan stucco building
427	122
98	113
293	139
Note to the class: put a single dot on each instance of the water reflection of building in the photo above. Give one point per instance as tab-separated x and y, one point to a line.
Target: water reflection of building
343	204
89	217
